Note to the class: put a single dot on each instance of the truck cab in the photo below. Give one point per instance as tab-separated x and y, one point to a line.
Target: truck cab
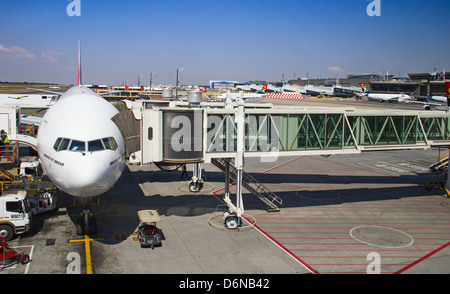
15	214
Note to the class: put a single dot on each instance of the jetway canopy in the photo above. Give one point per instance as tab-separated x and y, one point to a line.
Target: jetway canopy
217	130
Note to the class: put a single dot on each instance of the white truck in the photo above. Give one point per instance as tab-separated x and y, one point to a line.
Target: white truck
15	214
41	194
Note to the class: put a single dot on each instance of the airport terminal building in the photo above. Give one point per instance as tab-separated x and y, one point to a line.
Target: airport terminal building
415	83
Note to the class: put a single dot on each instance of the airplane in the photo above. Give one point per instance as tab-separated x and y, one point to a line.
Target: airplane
27	101
80	148
247	97
435	102
384	97
442	100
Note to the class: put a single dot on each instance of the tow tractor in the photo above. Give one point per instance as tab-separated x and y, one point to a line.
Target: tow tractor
9	254
149	235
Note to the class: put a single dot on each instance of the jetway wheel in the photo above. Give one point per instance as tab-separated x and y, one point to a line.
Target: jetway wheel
219	221
195	186
233	222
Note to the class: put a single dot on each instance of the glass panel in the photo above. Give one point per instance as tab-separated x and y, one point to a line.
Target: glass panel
64	144
77	146
95	145
110	143
57	144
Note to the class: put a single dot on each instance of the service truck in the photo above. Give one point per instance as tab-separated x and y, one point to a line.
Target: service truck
15	214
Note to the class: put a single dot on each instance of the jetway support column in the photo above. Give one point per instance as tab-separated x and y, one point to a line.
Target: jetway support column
235	212
196	183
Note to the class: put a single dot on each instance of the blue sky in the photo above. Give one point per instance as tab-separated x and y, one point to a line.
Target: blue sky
233	40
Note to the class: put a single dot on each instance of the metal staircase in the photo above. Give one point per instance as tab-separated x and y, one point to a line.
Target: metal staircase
251	184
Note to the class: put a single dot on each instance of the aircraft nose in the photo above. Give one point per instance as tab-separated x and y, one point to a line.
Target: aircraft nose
87	177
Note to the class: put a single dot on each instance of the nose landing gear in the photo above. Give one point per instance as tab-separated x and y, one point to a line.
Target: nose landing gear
87	223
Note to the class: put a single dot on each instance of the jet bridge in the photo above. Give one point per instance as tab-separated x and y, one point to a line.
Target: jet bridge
226	133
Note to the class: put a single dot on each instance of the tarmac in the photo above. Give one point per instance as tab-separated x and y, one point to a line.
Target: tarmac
343	214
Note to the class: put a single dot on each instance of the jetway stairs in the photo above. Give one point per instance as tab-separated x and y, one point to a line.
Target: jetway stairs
251	184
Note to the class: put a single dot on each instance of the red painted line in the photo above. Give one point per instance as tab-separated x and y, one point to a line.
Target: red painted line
321	238
267	235
350	218
284	248
432	233
325	244
364	250
359	257
351	273
312	233
346	165
356	223
280	165
423	258
444	239
355	264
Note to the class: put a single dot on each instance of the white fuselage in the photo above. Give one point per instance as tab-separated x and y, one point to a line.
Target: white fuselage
234	96
80	148
437	99
388	97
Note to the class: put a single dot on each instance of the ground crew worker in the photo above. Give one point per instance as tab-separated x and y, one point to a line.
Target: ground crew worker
4	138
183	168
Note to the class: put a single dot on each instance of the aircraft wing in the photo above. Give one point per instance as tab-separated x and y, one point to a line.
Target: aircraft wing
253	99
425	103
46	91
109	93
30	120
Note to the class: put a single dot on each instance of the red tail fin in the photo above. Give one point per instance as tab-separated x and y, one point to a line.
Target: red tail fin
80	80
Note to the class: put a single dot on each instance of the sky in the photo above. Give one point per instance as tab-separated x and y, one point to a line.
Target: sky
241	40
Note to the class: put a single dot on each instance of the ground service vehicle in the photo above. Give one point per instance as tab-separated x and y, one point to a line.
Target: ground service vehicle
9	254
149	235
15	214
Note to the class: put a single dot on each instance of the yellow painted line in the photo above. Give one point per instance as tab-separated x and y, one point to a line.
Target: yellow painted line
87	248
80	214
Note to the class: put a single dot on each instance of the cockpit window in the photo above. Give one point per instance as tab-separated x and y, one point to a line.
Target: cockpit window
95	145
110	143
77	146
64	144
57	144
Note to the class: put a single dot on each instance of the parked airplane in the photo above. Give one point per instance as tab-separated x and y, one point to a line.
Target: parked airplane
247	97
435	102
80	148
384	97
28	100
442	100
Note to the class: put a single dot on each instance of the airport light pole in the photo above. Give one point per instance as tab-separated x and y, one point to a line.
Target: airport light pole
151	77
139	80
178	70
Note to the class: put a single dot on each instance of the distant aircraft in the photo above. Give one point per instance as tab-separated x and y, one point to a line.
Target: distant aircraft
442	100
384	97
247	97
27	101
